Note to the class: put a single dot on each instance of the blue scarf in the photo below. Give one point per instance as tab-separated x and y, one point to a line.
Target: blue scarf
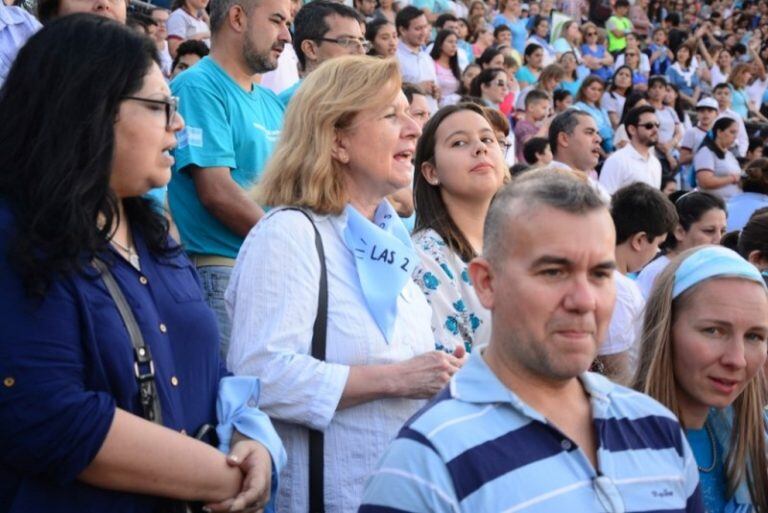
384	258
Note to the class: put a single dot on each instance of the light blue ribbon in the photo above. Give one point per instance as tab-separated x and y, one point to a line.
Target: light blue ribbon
384	258
710	262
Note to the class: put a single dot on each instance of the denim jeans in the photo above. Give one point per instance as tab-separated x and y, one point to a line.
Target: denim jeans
215	279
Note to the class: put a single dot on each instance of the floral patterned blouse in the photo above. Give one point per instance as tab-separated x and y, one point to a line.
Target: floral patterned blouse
457	315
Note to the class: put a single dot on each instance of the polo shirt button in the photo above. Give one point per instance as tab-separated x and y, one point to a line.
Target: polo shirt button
163	329
252	403
183	431
174	381
566	445
143	280
9	382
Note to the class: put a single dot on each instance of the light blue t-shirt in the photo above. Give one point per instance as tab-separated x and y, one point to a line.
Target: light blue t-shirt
225	127
518	28
713	483
286	95
742	206
524	74
739	102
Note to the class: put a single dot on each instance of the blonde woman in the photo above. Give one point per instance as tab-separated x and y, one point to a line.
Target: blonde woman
702	348
347	143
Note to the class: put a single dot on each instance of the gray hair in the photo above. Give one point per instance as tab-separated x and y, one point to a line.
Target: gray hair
220	8
566	122
550	188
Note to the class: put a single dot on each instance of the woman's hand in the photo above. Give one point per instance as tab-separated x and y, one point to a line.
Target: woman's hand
255	463
425	375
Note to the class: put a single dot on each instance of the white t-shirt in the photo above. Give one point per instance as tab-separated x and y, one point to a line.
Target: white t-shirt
668	120
182	25
705	159
613	102
692	138
648	275
627	166
645	63
627	318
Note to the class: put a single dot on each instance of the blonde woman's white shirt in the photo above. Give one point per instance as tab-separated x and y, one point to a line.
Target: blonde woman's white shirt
272	299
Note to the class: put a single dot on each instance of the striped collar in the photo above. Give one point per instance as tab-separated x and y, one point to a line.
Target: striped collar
476	383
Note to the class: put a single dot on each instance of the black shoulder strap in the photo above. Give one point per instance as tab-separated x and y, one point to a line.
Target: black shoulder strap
319	331
143	367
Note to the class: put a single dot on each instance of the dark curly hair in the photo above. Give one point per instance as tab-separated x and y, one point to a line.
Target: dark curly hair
59	106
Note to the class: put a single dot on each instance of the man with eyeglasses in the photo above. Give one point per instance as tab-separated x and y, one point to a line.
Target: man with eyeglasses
232	125
636	161
322	31
522	425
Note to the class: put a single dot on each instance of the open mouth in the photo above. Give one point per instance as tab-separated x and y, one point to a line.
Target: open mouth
404	156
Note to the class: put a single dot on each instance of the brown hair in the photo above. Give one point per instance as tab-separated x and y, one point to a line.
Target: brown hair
655	377
431	211
302	171
755	176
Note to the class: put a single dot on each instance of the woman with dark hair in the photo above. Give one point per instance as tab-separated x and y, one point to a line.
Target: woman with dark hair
588	100
48	10
571	82
491	58
540	36
533	64
459	167
386	10
491	86
383	37
701	220
619	88
673	99
717	170
752	243
754	184
445	55
109	354
685	75
635	99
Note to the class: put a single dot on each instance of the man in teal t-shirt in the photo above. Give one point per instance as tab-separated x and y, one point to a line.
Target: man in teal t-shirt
231	128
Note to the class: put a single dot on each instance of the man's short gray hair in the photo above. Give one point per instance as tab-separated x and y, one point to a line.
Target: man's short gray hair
565	122
553	189
220	8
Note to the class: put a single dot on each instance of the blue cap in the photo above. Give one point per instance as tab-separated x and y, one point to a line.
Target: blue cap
713	262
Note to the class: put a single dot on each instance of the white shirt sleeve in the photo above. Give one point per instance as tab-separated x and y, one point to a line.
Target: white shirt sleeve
272	299
177	25
704	160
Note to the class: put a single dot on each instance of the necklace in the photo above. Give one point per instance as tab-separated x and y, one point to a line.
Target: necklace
711	437
133	257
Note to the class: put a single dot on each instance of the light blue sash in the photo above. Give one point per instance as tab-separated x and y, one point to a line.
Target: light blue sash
384	258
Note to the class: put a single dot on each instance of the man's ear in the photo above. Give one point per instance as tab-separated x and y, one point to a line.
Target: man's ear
481	274
637	240
237	18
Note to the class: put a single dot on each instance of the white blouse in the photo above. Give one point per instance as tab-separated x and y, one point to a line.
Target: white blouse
458	317
272	299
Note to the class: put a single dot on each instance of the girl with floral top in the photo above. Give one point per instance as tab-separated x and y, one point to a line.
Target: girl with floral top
460	166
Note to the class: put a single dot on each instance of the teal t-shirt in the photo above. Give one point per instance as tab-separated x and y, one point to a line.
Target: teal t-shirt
286	94
226	126
713	483
524	74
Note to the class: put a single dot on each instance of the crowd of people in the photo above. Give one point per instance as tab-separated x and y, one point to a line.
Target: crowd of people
381	256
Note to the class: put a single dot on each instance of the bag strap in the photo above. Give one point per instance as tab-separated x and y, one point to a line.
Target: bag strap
143	367
319	332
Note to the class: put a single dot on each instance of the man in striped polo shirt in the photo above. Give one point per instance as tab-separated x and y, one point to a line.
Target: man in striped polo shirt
523	426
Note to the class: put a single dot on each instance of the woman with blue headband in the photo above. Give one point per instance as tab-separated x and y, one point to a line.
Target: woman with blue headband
704	342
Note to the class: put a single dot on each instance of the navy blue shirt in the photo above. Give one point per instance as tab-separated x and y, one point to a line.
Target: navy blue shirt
66	363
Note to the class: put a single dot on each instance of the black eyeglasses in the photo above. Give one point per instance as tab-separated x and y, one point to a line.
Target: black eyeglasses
350	43
650	125
591	34
171	107
502	83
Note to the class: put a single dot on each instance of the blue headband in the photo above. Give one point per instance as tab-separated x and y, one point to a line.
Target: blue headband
712	262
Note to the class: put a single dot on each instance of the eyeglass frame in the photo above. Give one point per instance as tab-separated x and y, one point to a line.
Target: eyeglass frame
364	43
649	125
171	107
